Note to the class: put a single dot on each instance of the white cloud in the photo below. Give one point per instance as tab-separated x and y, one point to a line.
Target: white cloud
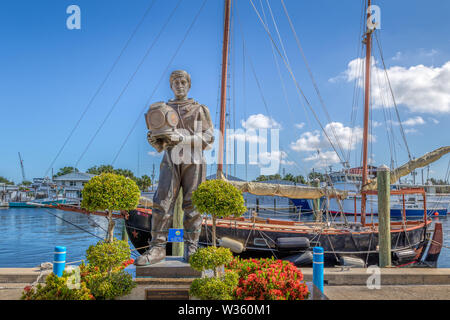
308	141
260	121
398	56
269	157
435	121
318	142
411	130
300	125
376	124
347	137
419	88
153	153
428	53
323	159
251	136
413	121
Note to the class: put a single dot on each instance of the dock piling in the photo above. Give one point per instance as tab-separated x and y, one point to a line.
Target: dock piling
316	203
124	233
384	216
178	247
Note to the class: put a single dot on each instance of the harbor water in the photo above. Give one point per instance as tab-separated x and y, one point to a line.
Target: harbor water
28	235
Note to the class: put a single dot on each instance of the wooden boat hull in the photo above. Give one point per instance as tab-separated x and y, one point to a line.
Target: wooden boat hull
260	238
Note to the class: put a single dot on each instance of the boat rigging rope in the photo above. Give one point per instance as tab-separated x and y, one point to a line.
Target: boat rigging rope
356	87
92	234
283	86
308	68
126	86
299	90
393	97
100	86
76	226
294	161
161	79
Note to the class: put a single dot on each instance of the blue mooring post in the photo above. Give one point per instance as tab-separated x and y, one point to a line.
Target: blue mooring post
59	262
318	267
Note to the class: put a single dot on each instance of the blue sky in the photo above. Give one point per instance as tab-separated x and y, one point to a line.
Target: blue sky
49	74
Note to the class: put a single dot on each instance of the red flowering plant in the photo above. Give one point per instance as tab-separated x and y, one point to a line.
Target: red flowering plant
268	279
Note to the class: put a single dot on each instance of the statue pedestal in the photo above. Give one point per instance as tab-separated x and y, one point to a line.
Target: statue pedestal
171	267
169	279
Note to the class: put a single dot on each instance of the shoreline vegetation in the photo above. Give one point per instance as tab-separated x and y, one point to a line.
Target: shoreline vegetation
144	182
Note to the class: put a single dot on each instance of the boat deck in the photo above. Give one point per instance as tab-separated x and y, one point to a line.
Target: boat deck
308	227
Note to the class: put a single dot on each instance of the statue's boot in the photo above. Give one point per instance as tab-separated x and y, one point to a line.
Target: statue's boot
151	256
190	244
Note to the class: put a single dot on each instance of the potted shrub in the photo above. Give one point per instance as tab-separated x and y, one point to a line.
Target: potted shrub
220	199
219	287
110	192
57	288
104	274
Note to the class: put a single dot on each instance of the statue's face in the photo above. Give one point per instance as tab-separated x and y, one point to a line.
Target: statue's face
180	87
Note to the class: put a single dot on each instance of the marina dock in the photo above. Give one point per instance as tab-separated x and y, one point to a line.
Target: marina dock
340	284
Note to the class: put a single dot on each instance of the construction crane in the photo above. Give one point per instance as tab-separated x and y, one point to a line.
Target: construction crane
21	166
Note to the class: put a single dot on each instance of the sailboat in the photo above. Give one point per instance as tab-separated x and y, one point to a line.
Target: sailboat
342	241
410	206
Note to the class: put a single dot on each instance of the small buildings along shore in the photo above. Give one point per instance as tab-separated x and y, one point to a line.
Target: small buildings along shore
73	184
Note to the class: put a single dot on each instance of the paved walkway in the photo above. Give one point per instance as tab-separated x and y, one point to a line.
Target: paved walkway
11	291
388	292
436	292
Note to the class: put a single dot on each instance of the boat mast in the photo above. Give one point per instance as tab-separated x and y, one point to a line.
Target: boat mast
368	42
223	89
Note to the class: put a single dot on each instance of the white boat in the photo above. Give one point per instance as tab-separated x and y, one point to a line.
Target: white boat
410	205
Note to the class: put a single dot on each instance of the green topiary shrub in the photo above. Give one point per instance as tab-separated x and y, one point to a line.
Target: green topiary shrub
109	286
215	288
57	289
108	255
219	199
104	275
210	258
110	192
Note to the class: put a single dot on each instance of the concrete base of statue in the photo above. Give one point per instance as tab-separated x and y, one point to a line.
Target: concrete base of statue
171	267
169	279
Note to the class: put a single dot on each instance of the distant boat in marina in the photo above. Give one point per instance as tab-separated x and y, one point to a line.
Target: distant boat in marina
36	203
350	180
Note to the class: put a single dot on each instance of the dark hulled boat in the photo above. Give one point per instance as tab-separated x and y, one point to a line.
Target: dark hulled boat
261	237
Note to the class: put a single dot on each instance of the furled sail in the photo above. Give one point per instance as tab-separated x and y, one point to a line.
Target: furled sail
288	191
410	166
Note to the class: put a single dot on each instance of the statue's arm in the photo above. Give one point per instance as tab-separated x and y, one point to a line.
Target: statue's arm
207	128
204	131
158	144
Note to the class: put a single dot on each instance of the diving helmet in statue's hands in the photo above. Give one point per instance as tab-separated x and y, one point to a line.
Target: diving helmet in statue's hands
162	121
